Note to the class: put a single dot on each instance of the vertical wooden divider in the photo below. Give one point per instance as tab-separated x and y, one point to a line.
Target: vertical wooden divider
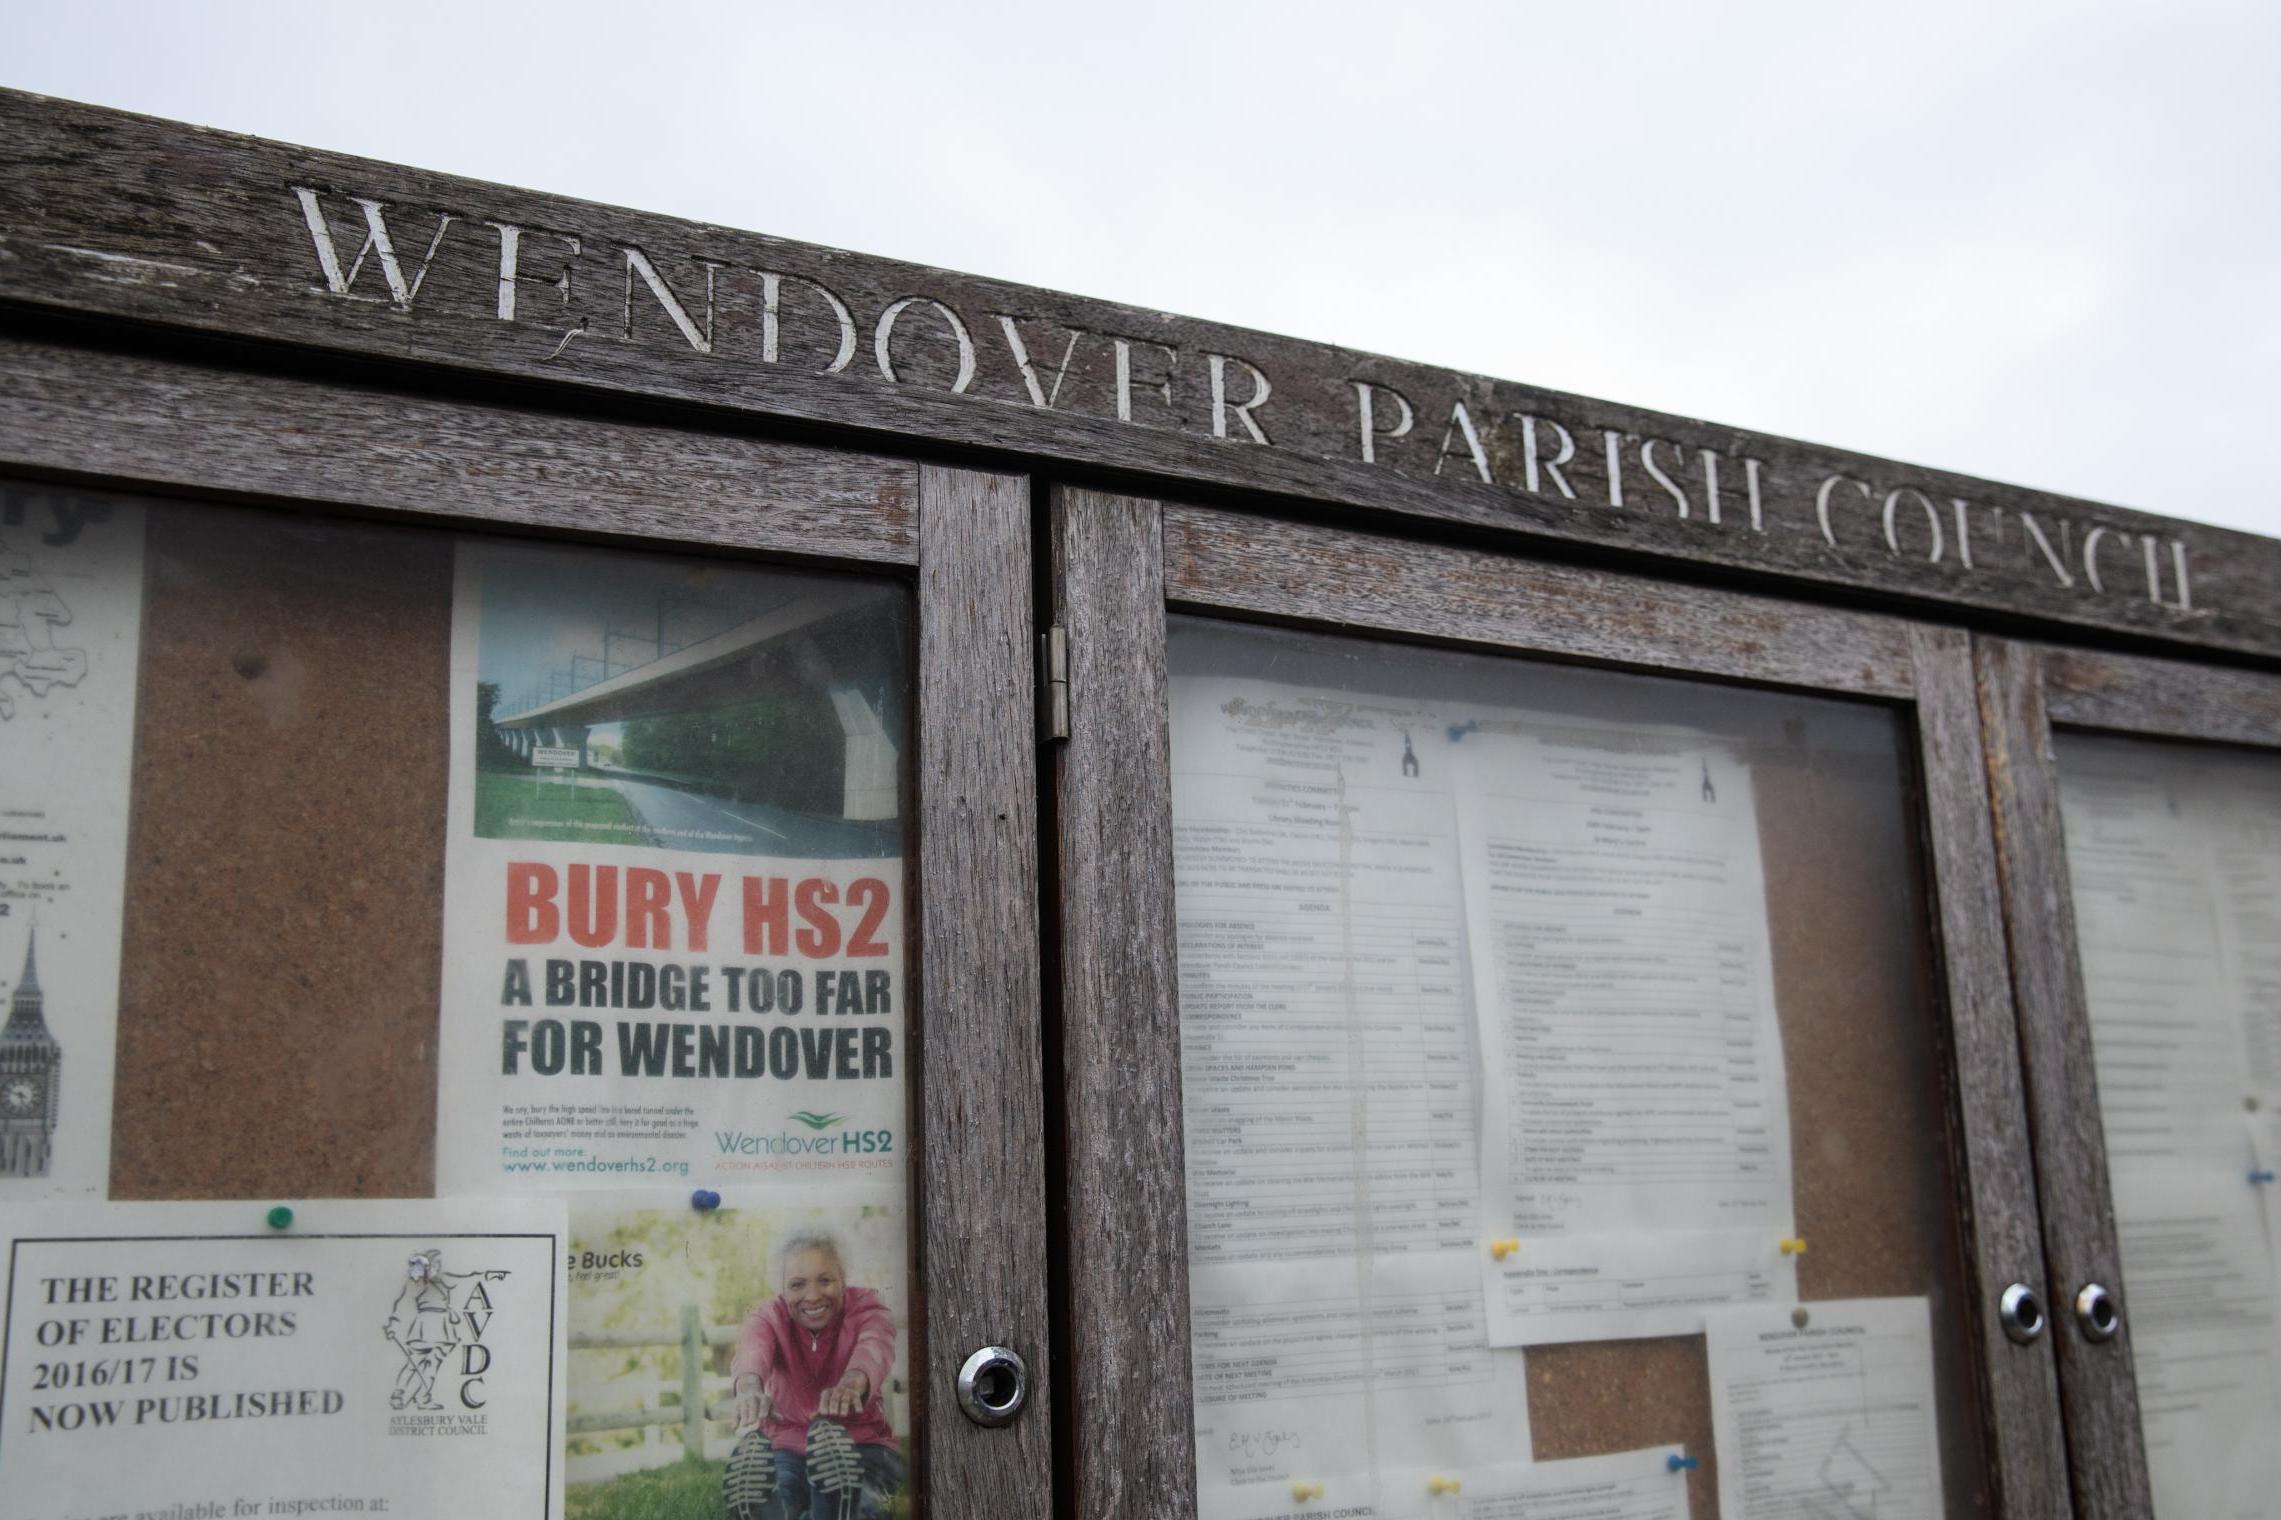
1995	1176
1133	1439
982	1237
2097	1383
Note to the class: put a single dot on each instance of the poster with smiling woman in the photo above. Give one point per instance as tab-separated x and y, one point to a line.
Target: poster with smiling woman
748	1360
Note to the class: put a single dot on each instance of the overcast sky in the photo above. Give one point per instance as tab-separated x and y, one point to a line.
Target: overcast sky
2030	241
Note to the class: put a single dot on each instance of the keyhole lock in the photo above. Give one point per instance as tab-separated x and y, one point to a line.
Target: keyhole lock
2021	1313
2097	1313
993	1385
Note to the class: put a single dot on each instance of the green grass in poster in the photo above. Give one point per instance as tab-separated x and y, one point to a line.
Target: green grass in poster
677	1491
510	806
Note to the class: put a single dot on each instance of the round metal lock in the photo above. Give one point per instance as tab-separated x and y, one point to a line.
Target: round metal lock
2097	1313
993	1385
2021	1314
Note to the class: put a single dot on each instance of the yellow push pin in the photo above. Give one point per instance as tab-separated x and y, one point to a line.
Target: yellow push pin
1441	1485
1500	1249
1793	1246
1302	1492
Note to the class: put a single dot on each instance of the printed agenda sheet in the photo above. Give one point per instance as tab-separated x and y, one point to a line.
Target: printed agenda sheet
1328	1068
1834	1416
1635	1118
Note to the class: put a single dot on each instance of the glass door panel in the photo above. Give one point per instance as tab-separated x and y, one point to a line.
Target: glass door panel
2174	860
1564	1077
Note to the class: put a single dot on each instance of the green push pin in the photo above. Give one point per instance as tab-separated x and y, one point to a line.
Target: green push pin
281	1218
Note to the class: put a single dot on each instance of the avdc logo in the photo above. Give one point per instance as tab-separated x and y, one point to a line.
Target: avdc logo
437	1325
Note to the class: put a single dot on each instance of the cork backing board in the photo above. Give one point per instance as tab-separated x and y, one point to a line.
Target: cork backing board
282	946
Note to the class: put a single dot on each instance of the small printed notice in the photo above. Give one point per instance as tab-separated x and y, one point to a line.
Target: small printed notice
1630	1485
763	1345
188	1360
1826	1408
71	600
1625	1485
674	910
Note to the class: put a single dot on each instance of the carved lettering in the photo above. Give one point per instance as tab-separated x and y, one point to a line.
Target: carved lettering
638	264
2091	541
2055	558
771	318
1530	462
1822	504
806	322
2184	601
1162	385
377	243
884	333
1670	486
1221	410
510	267
1892	522
1044	396
1366	409
1461	424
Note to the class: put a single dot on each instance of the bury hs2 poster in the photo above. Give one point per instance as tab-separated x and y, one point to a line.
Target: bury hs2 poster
674	905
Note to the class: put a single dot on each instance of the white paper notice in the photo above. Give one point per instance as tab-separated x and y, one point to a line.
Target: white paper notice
1833	1417
1326	1035
1328	1064
648	976
71	601
2199	1273
185	1360
1635	1104
2169	1061
1306	1369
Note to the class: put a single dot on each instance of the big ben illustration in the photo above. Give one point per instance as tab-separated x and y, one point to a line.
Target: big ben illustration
29	1058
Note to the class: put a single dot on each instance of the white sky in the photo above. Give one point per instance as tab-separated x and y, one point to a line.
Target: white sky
2030	241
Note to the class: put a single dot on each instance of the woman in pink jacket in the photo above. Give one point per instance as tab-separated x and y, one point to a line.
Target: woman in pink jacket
808	1371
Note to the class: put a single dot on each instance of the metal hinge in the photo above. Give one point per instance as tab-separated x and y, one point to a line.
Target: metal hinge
1053	685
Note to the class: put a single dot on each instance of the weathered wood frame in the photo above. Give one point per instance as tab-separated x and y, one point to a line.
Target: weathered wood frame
959	537
1119	564
2027	691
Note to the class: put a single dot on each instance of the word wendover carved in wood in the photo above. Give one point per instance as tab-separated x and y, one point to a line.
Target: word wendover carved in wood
130	217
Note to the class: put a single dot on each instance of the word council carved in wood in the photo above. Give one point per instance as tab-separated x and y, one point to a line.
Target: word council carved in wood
126	216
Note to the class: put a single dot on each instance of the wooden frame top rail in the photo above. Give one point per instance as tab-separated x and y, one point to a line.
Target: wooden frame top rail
1234	562
123	217
2171	698
151	423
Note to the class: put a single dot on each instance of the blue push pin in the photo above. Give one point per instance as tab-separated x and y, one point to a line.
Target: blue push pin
2260	1176
1458	731
705	1200
1678	1463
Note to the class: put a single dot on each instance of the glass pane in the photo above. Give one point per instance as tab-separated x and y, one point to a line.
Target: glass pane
1563	1078
2174	853
351	860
